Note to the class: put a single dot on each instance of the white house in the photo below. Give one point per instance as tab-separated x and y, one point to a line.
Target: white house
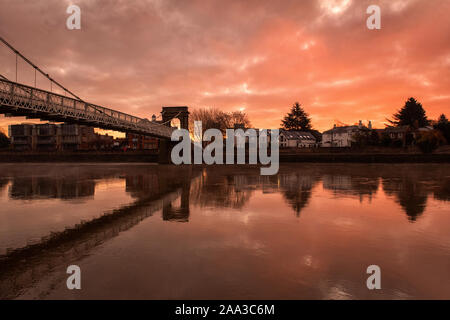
296	139
342	136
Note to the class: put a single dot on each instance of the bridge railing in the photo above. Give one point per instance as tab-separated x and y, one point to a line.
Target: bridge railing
31	100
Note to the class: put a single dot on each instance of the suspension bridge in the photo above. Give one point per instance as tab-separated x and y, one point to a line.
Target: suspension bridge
18	99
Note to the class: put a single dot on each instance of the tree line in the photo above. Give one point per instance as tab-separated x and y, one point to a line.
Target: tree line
411	117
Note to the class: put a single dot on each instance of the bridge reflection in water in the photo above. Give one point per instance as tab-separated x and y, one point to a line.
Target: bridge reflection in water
174	192
154	190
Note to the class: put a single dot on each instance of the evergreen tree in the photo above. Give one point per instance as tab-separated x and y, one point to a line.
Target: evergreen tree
412	114
297	119
443	125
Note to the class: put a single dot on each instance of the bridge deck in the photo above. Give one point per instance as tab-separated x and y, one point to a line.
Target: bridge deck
22	100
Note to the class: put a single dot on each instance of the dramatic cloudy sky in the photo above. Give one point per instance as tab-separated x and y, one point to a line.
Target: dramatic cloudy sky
261	56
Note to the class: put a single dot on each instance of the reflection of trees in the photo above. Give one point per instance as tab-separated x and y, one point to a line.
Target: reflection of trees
351	185
409	193
442	192
296	189
220	190
411	185
140	185
3	183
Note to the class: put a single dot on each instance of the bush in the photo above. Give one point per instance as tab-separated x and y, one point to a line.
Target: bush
386	140
4	141
429	141
397	143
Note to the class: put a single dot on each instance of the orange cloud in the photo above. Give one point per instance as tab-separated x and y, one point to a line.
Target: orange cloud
136	56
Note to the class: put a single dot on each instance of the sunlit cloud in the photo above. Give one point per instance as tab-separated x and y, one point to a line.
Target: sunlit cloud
262	55
335	7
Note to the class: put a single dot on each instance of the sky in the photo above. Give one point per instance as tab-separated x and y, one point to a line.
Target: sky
253	55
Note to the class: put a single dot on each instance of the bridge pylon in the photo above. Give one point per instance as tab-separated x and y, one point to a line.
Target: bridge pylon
168	113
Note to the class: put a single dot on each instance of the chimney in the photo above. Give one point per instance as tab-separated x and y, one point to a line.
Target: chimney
153	118
334	126
360	124
370	125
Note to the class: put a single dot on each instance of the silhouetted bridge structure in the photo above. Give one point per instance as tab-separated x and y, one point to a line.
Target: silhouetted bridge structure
21	100
18	99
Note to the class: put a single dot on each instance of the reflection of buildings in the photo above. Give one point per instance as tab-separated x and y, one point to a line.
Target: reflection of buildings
181	213
351	185
23	267
141	185
45	187
221	190
144	185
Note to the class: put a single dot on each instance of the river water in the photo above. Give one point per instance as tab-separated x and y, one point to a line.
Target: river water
140	231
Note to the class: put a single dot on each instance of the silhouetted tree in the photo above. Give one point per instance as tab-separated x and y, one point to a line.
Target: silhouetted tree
412	114
239	117
217	119
429	141
443	125
4	141
297	119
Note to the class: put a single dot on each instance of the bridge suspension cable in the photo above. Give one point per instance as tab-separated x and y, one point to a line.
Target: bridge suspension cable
36	68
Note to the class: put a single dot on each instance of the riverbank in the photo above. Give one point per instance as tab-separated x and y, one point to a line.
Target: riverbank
108	157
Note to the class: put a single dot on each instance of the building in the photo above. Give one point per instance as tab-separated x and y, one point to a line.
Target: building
44	137
140	142
21	136
57	137
401	135
343	136
103	142
75	137
396	133
239	126
296	139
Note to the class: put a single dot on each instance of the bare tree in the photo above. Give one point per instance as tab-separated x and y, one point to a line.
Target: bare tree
213	118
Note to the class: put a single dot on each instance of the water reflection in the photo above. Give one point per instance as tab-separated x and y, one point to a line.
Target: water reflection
154	190
27	188
176	192
297	189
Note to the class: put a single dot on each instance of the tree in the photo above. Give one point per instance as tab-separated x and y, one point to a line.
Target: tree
428	141
443	125
412	114
239	117
217	119
297	119
360	139
4	141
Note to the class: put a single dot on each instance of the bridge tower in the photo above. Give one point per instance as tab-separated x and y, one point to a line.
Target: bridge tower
179	112
169	113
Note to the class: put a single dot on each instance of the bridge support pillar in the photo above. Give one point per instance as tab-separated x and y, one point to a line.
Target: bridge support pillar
165	148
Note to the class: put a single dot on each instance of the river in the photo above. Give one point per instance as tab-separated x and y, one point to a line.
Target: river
140	231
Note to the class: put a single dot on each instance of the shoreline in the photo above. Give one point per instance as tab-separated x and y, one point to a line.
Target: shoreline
112	157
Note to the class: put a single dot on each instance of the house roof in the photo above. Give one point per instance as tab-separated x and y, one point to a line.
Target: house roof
297	135
345	129
397	129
